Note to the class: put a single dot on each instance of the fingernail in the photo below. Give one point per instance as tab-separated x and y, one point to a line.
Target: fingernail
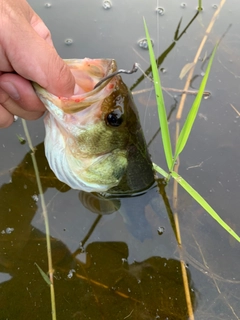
9	88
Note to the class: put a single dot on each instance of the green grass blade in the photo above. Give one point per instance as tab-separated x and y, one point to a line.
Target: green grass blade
160	102
44	275
204	204
196	196
160	170
187	127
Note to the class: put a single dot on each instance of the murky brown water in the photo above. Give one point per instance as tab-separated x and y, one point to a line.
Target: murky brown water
117	265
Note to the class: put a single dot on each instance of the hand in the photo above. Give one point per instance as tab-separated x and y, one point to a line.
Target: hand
27	54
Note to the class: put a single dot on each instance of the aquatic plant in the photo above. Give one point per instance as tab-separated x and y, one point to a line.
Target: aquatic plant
182	139
200	5
48	278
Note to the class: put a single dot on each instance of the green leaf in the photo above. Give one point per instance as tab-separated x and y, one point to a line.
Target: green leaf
195	195
160	103
184	135
160	170
44	275
187	127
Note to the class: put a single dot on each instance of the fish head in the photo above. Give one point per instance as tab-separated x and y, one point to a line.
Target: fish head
94	141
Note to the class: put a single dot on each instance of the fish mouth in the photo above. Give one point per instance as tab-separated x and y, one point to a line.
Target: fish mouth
90	72
87	73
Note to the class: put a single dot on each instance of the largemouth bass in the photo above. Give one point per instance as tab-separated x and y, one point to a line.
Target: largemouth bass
94	141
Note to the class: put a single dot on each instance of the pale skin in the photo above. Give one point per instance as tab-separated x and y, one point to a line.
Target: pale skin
27	54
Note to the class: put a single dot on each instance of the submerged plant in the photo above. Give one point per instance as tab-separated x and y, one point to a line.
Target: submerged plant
183	136
200	5
47	279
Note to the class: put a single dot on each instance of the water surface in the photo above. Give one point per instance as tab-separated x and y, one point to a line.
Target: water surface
117	265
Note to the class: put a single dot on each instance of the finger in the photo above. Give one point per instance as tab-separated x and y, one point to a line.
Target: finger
6	118
13	108
40	28
34	59
21	90
35	21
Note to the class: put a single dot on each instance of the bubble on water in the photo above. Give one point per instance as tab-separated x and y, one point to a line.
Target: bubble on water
143	43
160	11
160	230
47	5
163	70
107	4
35	197
70	273
7	231
215	6
183	5
68	41
81	247
124	260
207	96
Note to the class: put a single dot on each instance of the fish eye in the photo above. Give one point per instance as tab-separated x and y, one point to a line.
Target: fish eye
114	118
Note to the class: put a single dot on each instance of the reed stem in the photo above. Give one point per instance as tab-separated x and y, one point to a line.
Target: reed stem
45	216
200	5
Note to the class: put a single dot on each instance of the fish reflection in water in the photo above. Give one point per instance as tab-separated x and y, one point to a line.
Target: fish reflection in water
132	210
94	141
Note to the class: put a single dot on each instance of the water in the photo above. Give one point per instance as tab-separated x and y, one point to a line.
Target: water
117	266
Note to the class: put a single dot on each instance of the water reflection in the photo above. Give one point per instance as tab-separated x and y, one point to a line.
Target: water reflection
141	289
94	282
131	209
102	287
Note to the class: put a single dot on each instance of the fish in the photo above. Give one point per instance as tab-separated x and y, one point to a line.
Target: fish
94	141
